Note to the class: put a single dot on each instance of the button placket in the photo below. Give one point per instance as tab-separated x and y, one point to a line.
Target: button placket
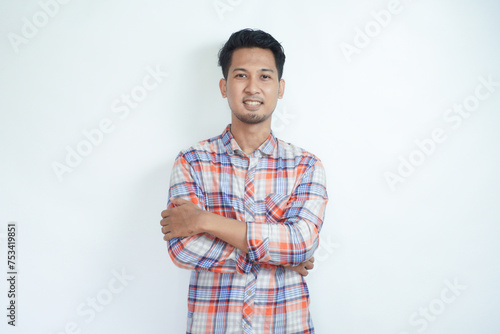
248	301
250	189
249	295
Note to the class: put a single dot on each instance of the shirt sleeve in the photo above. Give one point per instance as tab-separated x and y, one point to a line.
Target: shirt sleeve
202	251
290	234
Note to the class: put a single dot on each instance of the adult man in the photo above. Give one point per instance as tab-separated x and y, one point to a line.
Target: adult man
245	208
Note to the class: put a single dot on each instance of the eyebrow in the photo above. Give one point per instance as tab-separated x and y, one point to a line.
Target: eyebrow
245	70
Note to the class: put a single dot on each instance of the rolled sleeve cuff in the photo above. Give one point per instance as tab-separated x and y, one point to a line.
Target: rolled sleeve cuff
243	263
258	247
258	241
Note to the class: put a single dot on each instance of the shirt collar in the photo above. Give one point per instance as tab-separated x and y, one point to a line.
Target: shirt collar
232	147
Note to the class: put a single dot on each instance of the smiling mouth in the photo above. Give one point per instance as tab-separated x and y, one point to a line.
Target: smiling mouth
250	101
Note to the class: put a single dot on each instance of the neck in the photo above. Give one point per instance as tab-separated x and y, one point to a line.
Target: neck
250	136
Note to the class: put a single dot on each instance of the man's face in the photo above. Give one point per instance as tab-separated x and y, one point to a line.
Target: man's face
252	87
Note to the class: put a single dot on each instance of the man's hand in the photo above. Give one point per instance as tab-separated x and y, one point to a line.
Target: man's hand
304	267
183	220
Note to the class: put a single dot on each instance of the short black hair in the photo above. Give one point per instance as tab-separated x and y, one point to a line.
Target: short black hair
249	38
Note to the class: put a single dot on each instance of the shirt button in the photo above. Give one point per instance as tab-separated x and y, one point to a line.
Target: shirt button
249	292
246	326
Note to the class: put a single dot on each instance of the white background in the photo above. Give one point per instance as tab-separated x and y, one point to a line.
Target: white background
387	256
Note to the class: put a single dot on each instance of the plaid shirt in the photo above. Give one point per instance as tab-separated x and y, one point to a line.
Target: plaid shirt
279	191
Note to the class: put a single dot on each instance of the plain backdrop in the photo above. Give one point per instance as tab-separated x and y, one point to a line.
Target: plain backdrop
399	99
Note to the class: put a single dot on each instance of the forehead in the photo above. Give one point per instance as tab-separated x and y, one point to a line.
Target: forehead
253	57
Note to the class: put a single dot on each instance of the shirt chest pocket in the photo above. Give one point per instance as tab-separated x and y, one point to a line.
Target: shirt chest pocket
275	205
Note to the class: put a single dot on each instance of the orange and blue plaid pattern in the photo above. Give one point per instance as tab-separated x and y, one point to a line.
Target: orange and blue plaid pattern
280	192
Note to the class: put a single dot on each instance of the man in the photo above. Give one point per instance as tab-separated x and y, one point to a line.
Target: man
245	208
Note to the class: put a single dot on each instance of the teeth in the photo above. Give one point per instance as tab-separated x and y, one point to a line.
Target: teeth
254	103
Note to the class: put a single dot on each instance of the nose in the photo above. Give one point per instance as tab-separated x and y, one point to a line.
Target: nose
252	86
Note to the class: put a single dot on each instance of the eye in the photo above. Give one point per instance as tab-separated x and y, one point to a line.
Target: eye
266	77
240	75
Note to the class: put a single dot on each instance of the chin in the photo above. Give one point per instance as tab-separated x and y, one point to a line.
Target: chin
251	118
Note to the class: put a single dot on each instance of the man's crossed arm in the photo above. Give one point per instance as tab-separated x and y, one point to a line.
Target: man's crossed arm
185	219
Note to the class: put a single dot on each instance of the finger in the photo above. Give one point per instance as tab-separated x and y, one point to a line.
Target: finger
164	222
168	234
165	213
311	259
300	269
178	201
309	266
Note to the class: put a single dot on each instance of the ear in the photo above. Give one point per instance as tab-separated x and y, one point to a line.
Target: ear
222	87
281	89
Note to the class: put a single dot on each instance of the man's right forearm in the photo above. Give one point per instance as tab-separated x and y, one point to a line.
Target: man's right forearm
232	231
